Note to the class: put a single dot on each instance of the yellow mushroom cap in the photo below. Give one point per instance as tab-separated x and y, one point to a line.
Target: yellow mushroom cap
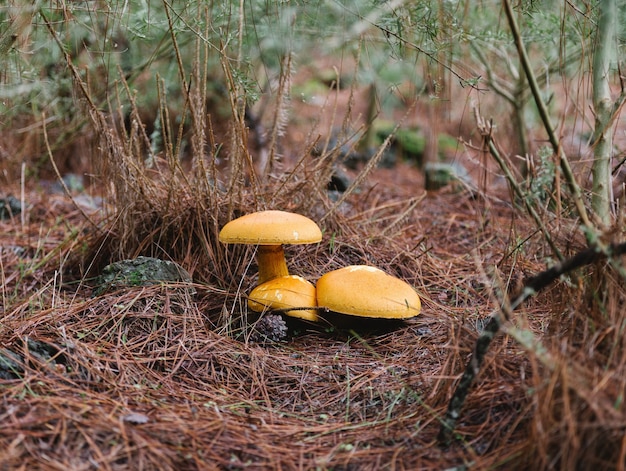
271	228
285	292
361	290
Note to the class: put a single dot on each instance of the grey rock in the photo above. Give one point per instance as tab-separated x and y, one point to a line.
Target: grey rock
21	252
73	182
141	271
9	206
12	364
339	180
440	174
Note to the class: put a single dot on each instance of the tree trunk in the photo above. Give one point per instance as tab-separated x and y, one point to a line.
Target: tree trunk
603	106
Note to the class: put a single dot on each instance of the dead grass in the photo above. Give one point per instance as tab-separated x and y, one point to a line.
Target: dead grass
150	378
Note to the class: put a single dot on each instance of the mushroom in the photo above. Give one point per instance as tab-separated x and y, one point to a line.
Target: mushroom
365	291
269	230
284	292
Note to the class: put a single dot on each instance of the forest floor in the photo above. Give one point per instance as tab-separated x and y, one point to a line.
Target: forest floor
154	378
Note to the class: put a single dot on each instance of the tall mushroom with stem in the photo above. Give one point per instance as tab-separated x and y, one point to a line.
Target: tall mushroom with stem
276	288
269	230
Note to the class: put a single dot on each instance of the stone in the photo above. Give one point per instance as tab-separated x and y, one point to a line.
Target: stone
141	271
9	206
440	174
12	364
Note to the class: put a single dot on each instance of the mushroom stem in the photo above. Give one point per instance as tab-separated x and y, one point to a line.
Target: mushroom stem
271	261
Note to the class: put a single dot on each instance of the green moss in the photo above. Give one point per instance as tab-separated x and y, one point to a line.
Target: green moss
410	143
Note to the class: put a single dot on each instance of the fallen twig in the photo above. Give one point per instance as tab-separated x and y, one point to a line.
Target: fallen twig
494	325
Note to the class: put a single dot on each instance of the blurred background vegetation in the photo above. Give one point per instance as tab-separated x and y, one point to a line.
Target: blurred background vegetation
445	54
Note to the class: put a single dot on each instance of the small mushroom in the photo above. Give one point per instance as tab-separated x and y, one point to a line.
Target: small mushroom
284	292
364	291
269	230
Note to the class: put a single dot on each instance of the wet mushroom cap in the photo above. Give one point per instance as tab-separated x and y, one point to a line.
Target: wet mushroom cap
364	291
291	291
271	228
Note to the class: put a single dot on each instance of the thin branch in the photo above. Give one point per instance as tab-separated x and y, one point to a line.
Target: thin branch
485	131
543	113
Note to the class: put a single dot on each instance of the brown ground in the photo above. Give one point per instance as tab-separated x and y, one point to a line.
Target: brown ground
153	378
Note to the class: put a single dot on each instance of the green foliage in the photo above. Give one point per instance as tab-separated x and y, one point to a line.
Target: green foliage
137	37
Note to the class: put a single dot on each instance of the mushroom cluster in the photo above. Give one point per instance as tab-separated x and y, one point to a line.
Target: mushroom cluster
356	290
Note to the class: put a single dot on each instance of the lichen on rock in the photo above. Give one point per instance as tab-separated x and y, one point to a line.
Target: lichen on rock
141	271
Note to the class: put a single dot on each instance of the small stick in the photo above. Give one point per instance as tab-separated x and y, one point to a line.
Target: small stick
494	325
